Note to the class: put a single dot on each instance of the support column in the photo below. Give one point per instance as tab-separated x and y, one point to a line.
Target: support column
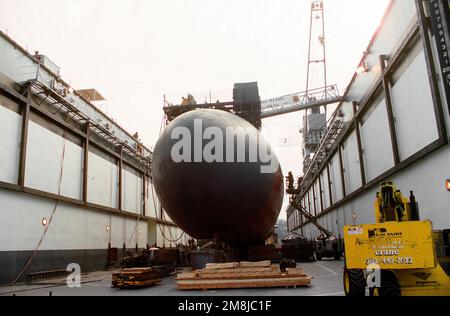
144	194
341	164
390	110
320	193
24	138
314	198
360	149
86	164
120	179
330	194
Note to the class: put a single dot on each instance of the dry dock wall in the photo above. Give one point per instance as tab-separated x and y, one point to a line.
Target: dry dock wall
104	199
397	115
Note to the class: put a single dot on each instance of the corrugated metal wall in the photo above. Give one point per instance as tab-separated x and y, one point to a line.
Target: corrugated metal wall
417	112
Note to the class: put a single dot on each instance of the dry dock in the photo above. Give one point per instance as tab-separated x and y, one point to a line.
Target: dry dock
327	281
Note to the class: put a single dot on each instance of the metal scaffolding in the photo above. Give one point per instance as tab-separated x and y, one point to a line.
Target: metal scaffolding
63	106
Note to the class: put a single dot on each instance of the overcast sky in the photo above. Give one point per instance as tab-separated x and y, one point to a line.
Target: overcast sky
136	51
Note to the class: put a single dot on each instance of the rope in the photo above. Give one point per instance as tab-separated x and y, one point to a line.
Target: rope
163	121
30	260
138	219
126	245
159	226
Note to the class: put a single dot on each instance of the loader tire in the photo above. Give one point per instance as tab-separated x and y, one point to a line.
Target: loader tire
389	284
354	283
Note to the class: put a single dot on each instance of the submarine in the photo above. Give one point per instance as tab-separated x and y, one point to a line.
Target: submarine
217	177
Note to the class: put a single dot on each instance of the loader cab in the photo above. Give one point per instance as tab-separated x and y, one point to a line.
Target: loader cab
392	206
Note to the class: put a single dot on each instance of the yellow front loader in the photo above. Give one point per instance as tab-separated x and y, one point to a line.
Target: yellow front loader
399	255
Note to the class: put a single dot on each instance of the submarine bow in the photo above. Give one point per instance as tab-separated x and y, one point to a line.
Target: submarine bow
229	198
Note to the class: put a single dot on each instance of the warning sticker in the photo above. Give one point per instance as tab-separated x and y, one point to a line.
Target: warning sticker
355	231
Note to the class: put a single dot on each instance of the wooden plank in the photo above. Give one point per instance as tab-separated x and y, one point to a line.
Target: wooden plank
187	275
237	270
233	265
247	283
260	264
275	267
240	276
136	271
239	284
292	271
217	266
121	284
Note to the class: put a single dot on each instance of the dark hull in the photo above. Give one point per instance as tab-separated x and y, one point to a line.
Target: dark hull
233	201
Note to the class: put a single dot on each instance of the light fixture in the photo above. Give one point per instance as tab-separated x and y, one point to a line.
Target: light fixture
363	68
447	185
44	222
107	228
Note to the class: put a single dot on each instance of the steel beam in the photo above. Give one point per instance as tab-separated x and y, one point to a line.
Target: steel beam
303	107
360	148
342	169
438	144
424	25
86	164
321	194
24	137
120	160
144	194
314	199
390	109
78	203
309	202
329	184
61	123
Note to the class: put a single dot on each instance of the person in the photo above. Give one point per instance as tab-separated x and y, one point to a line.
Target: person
290	180
299	182
185	102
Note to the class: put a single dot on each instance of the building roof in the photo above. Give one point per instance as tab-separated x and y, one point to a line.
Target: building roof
91	95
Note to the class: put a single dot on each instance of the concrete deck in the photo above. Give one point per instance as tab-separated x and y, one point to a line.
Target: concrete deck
327	282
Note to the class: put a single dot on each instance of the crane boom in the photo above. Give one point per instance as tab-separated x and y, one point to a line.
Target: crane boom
312	219
300	101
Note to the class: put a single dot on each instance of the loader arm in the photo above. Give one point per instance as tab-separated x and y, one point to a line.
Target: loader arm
311	219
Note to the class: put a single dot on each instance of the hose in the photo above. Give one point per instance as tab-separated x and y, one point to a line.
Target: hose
30	260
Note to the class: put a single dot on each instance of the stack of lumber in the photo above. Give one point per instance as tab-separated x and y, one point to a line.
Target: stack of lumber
135	278
243	275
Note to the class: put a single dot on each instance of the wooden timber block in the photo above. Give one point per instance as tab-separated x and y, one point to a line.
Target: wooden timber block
134	284
218	266
242	284
260	264
135	278
238	272
239	276
295	271
275	267
187	276
235	270
136	270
